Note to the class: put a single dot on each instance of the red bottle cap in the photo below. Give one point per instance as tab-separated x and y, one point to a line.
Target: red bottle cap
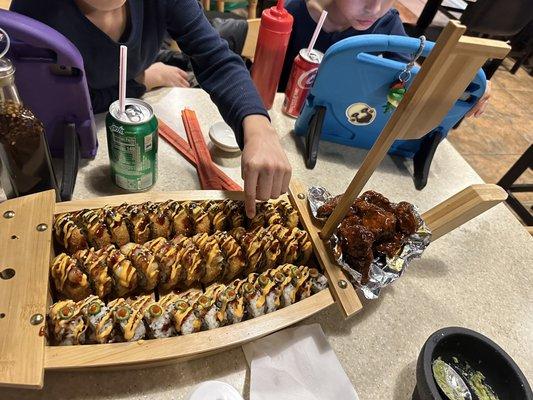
277	19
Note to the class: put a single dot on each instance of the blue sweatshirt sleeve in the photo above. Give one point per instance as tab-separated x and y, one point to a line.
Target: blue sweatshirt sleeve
220	72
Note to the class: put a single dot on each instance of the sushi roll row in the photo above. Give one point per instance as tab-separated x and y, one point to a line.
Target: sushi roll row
91	320
99	228
179	263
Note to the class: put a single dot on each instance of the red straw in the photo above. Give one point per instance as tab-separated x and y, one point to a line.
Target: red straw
122	78
317	31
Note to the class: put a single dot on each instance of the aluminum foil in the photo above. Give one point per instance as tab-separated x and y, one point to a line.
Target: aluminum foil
383	270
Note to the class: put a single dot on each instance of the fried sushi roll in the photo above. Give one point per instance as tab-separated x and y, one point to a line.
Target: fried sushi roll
271	248
318	281
289	214
160	223
235	212
145	264
116	224
290	246
124	274
191	260
99	319
94	227
171	272
129	318
185	319
217	214
182	223
213	257
199	218
137	222
305	245
70	282
233	255
253	299
94	264
66	323
69	234
250	243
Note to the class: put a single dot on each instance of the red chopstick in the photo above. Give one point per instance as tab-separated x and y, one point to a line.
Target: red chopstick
181	145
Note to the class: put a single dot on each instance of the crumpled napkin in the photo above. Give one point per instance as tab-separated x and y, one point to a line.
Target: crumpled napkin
296	364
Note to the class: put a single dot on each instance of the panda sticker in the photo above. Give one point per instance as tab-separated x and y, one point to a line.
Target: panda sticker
360	114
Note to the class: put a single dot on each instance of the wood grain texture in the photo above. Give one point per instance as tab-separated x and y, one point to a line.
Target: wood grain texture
462	207
147	352
250	43
27	252
346	297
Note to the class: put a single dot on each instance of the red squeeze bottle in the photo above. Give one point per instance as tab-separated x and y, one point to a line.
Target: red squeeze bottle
272	42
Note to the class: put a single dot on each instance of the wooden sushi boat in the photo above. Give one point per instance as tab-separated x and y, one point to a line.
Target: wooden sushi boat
27	242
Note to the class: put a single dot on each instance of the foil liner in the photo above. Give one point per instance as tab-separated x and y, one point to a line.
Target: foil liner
383	270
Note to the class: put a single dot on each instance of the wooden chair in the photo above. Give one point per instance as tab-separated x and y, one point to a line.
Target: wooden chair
250	42
252	6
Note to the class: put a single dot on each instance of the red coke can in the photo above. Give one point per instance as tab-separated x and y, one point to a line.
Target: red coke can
302	77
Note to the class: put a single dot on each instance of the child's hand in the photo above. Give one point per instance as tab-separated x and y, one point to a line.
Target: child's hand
479	107
162	75
265	168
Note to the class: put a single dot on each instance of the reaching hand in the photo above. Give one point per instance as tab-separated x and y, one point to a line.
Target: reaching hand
479	107
162	75
265	168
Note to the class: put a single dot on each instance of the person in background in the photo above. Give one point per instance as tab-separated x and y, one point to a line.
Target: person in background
98	28
347	18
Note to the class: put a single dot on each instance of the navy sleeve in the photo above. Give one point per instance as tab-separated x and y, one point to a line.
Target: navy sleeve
395	27
219	71
101	99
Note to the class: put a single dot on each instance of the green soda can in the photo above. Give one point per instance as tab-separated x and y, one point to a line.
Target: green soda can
132	143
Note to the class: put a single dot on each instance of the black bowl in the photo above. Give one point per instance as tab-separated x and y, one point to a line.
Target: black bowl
485	356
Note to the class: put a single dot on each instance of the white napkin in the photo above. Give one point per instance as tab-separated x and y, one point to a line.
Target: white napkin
296	364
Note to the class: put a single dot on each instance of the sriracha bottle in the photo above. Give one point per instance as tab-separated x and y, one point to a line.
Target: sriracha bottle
272	42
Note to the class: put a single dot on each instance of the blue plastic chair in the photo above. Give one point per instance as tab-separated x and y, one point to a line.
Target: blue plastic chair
346	103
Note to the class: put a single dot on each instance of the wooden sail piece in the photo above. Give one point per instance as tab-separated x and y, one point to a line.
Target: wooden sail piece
25	245
442	79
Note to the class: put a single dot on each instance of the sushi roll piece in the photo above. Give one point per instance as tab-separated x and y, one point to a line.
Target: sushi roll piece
159	321
259	220
124	275
298	277
235	211
160	223
214	260
182	223
206	311
217	214
95	228
199	217
250	242
98	318
68	234
253	299
290	217
266	286
137	222
185	319
70	282
305	246
271	248
145	264
191	259
129	318
289	245
272	214
318	281
275	290
66	323
233	255
95	266
234	303
217	291
116	224
171	272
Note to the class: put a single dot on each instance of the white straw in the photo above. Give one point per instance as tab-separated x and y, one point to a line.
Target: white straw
317	30
122	78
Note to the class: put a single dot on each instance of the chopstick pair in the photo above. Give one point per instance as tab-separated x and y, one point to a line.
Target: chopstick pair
221	180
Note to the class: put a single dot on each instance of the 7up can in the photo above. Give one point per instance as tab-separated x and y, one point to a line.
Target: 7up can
132	144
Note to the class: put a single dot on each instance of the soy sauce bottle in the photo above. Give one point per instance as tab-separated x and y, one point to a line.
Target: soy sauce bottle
25	159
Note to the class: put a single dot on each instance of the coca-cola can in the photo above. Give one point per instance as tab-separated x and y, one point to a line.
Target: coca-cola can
302	77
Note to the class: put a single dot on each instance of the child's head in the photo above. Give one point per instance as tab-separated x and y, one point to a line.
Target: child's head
360	14
102	5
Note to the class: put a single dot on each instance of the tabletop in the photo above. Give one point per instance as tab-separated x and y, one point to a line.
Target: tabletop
477	276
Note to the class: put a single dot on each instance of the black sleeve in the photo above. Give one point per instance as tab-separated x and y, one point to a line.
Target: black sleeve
101	99
219	71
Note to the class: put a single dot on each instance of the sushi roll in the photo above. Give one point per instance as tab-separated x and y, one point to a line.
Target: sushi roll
98	318
267	287
191	260
129	318
70	282
233	255
66	323
298	277
160	223
271	248
289	245
253	299
95	266
159	321
182	223
185	319
235	211
305	246
289	215
116	225
124	275
145	264
95	228
214	260
199	217
206	311
171	272
217	214
217	292
250	242
69	234
318	281
137	222
274	292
